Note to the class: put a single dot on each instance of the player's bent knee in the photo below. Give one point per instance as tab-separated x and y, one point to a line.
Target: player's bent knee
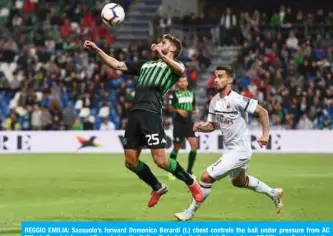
194	146
131	164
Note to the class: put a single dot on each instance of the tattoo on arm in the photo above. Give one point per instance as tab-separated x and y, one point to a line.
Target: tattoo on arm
122	66
110	61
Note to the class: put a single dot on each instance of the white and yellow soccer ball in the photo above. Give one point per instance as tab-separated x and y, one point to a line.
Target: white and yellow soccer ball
112	14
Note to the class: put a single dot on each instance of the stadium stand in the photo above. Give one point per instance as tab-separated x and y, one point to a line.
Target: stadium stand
48	82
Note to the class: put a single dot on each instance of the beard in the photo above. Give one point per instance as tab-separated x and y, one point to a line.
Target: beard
220	89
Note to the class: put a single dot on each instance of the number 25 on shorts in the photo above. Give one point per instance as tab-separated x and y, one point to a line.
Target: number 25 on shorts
152	139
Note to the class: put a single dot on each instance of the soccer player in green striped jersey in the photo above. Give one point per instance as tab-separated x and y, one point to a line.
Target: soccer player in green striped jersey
182	104
144	127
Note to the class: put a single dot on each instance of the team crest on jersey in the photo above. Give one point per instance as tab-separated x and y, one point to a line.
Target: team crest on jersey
228	105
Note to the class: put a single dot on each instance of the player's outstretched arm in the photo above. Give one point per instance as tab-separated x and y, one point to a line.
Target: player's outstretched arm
205	127
262	115
106	59
175	66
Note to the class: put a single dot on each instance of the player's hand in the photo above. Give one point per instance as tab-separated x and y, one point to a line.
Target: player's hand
157	49
183	113
91	46
153	47
197	126
263	140
196	111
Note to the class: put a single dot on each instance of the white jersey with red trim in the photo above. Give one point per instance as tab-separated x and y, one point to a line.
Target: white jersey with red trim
231	114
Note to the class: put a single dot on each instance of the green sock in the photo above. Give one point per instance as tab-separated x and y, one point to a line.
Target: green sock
178	171
144	173
173	155
191	159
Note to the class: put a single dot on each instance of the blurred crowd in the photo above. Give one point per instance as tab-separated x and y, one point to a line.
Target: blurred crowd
289	72
47	82
233	27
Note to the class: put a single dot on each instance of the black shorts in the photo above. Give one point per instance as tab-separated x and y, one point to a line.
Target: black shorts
182	131
144	129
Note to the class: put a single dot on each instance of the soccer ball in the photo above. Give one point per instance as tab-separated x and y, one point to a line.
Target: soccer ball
112	14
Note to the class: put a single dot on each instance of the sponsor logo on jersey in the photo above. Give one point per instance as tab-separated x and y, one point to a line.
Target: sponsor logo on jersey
224	121
155	64
185	100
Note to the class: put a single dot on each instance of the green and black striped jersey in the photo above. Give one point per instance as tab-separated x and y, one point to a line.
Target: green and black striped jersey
155	79
182	100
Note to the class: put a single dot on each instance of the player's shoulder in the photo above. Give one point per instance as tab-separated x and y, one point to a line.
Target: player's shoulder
236	97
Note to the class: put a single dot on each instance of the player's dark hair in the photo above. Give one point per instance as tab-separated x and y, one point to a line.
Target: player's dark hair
228	69
175	41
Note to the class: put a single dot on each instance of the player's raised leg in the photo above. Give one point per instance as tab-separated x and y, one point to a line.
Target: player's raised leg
246	181
142	170
218	170
133	142
206	183
178	171
193	141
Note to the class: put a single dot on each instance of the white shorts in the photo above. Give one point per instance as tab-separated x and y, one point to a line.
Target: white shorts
231	163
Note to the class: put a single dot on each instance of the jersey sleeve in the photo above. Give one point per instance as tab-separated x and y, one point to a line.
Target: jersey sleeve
133	68
211	112
247	104
172	100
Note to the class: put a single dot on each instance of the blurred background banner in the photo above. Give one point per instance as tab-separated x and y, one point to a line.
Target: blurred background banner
285	141
281	51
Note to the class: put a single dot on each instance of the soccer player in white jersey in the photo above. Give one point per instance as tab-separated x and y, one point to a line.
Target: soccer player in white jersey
229	109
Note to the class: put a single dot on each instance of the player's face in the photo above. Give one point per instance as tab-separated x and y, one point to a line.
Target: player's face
182	83
165	46
222	80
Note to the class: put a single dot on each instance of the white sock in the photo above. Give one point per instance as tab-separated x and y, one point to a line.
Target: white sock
259	187
206	189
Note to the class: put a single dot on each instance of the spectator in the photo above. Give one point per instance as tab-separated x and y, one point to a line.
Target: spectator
46	120
88	123
228	24
275	20
36	118
305	122
12	122
292	41
77	126
107	125
69	116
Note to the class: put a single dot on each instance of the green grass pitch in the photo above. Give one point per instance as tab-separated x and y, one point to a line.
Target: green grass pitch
99	188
